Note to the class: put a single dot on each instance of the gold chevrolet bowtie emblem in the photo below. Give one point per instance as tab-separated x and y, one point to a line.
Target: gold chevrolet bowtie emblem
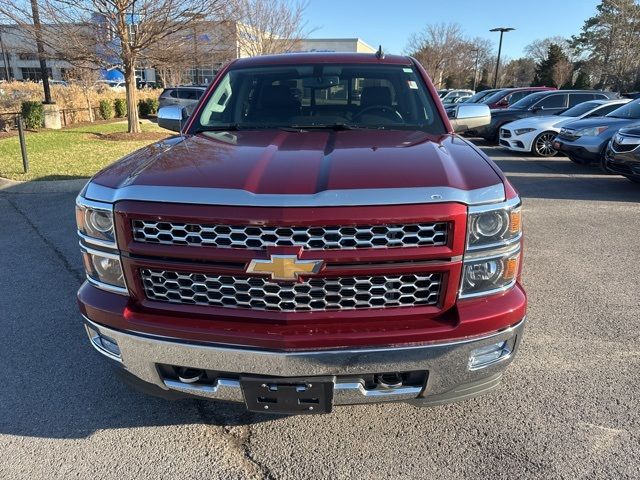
285	267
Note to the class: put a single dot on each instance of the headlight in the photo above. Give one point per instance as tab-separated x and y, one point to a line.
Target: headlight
104	270
95	222
590	132
522	131
492	257
484	274
494	226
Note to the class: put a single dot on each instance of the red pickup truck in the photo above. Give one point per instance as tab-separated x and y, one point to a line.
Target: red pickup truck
316	235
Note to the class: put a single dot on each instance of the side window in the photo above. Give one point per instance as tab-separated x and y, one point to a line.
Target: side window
172	94
605	110
552	101
515	96
576	98
188	94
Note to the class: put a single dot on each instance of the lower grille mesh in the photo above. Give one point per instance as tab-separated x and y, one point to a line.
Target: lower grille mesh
315	294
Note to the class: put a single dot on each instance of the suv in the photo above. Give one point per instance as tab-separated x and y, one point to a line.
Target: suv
622	156
295	248
182	96
541	103
585	141
508	96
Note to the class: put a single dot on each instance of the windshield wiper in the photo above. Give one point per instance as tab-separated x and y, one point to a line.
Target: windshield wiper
218	128
333	126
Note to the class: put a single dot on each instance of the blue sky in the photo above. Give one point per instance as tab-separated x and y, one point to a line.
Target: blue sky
391	22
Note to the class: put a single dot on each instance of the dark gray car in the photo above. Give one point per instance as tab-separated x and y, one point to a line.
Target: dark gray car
585	141
185	96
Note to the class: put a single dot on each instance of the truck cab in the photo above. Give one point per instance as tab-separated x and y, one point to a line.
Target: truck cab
316	235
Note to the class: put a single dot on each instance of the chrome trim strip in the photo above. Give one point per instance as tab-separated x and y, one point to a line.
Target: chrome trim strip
328	198
95	343
343	393
107	287
490	246
96	241
96	205
486	293
319	353
512	203
100	253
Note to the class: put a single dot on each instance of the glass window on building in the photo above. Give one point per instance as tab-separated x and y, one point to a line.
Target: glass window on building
33	74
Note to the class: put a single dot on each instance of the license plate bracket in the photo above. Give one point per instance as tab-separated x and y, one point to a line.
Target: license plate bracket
288	395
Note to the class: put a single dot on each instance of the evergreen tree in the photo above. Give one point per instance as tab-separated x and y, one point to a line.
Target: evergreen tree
546	70
583	81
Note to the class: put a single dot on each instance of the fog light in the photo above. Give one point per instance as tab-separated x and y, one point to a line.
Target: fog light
484	356
105	345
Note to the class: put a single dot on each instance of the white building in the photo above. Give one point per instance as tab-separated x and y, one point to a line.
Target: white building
355	45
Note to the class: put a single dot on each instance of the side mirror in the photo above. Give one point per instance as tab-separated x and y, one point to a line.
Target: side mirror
172	117
467	116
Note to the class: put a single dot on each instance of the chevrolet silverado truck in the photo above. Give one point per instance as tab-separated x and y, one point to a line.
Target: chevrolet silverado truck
316	235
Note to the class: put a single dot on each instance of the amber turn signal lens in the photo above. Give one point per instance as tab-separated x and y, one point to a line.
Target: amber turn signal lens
515	220
510	268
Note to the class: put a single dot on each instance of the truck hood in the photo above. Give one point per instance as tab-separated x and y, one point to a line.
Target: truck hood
305	163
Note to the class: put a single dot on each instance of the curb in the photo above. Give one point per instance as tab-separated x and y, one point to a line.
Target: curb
46	186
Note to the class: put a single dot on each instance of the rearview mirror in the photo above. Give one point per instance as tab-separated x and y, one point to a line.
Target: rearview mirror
467	116
320	82
172	117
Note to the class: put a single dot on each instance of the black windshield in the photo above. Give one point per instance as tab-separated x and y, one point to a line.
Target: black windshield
321	96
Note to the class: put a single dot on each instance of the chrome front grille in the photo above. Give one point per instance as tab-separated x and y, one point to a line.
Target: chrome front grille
309	238
313	294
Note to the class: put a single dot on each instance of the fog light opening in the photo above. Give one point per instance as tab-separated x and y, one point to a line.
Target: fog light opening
488	355
105	345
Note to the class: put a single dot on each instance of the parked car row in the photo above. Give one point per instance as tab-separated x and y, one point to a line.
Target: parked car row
605	131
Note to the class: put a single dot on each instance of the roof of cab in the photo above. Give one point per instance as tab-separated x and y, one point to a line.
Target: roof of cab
320	57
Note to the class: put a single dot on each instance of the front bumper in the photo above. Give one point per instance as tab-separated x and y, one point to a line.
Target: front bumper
585	148
519	143
449	376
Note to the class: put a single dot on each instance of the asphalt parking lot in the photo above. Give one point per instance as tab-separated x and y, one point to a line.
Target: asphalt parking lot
568	407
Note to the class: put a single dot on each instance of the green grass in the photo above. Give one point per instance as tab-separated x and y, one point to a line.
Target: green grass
69	153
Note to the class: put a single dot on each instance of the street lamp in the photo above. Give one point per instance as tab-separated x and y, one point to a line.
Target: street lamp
502	30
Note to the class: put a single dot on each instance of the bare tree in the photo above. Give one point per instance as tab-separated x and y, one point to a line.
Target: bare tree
519	72
85	77
562	72
269	26
448	55
114	32
539	49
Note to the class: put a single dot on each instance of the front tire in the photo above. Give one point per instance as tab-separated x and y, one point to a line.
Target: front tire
543	145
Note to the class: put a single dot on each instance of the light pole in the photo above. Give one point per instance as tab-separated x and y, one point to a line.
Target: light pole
502	30
475	70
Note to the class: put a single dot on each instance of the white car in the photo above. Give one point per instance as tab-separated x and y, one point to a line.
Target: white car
535	134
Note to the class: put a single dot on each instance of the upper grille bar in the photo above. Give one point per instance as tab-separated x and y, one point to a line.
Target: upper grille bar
309	238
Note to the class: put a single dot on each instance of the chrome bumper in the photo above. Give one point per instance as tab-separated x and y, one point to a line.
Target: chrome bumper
449	378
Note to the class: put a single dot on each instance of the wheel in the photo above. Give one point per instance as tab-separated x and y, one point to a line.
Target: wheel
543	145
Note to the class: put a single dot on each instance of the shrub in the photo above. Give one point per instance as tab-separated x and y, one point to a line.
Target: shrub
120	107
33	114
148	106
106	110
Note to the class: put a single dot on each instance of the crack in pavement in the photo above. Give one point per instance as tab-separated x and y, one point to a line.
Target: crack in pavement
58	253
240	436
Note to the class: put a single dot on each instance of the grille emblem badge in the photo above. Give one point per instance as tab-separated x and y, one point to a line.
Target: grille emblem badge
285	267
